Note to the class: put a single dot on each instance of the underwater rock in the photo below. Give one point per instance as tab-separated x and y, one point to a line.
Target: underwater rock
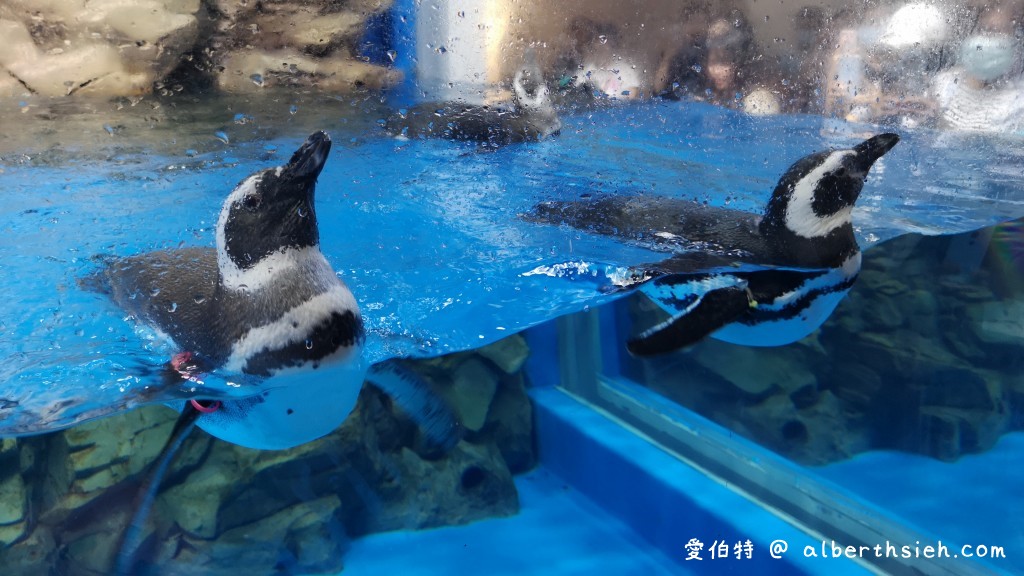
961	412
817	433
510	424
13	504
508	354
472	388
998	322
29	557
921	310
240	546
883	313
856	385
224	509
753	371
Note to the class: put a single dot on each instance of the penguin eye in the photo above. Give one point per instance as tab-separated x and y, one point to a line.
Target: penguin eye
252	201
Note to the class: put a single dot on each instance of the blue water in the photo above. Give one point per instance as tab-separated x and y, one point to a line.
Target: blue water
974	502
426	233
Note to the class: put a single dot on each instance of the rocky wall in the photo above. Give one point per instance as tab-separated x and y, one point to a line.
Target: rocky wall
222	509
925	355
110	48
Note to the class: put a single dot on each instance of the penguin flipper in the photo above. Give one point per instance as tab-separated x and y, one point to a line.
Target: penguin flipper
699	320
414	395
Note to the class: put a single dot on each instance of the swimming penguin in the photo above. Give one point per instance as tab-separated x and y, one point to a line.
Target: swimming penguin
264	303
264	309
763	280
531	117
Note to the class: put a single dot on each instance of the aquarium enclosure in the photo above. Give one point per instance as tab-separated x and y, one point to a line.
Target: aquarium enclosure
511	287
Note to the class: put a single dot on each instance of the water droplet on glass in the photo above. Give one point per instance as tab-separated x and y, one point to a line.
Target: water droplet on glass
172	307
462	13
154	292
392	55
223	137
109	129
309	344
199	298
191	152
293	109
765	17
301	211
257	79
603	39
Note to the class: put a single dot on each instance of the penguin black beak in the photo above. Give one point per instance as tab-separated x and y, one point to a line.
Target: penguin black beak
872	149
309	159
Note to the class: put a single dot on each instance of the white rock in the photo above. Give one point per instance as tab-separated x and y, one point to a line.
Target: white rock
249	71
305	29
87	68
138	19
761	102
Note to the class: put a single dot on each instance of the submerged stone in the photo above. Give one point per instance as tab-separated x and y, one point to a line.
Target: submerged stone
508	354
471	391
224	509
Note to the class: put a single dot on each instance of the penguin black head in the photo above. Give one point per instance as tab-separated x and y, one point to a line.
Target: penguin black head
533	98
816	195
272	212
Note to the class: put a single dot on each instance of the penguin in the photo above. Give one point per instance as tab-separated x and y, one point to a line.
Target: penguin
264	306
757	280
532	116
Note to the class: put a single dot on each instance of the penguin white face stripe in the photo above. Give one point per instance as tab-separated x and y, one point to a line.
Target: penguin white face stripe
271	267
800	216
294	326
229	271
259	275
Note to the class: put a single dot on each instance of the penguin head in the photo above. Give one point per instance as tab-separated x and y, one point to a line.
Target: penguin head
533	97
816	195
272	212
